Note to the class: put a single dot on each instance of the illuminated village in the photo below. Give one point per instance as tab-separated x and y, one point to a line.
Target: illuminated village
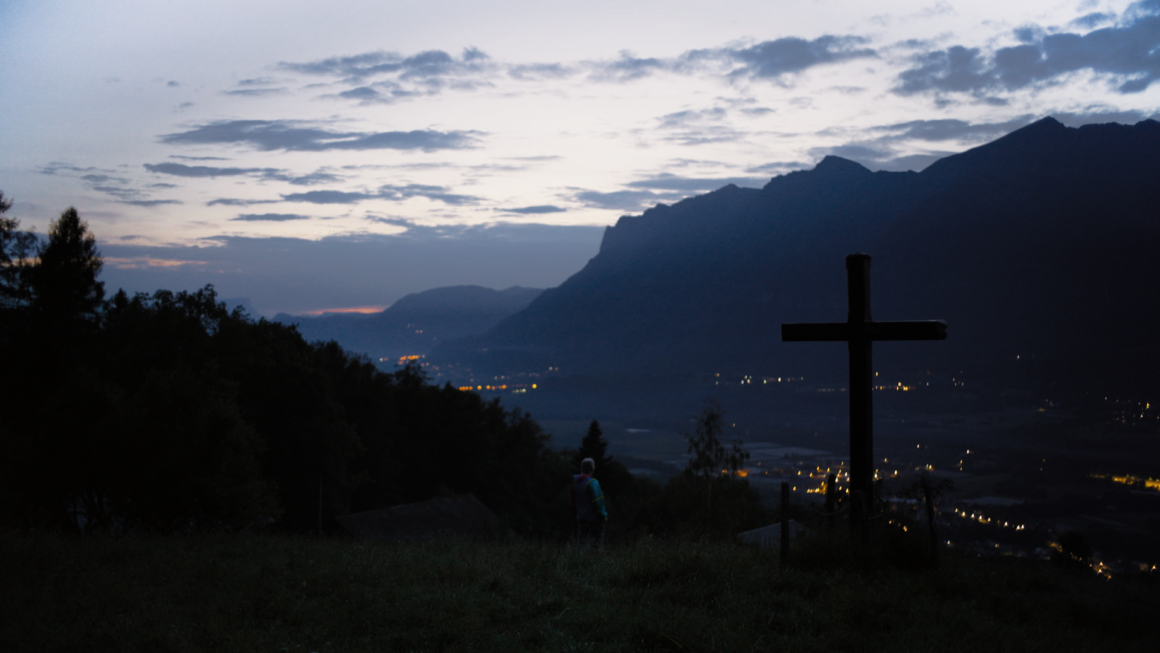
996	507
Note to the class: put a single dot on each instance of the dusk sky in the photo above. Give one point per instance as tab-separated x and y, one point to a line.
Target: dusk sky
338	155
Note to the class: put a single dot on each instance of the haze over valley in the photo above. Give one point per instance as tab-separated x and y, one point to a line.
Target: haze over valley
1033	248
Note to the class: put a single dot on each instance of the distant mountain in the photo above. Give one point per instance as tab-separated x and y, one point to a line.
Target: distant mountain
1038	249
417	322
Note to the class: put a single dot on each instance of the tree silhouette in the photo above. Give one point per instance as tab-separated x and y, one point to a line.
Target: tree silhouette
709	458
64	281
16	248
50	333
168	412
594	446
711	464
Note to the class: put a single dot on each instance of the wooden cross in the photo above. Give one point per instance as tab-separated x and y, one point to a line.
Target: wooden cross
859	331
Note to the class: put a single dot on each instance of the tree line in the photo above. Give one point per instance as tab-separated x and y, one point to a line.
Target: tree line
169	412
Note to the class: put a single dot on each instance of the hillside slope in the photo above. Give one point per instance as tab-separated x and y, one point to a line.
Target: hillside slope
417	322
1035	245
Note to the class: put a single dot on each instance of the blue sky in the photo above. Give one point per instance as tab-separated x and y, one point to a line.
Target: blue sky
339	155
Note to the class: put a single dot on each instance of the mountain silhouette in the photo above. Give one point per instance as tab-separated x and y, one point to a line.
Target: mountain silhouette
415	323
1037	249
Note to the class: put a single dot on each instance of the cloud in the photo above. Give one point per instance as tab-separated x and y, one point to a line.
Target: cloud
951	129
915	162
118	192
182	170
540	71
1100	114
56	167
753	112
198	158
431	63
437	193
789	55
256	92
316	177
941	8
666	181
706	135
387	77
692	116
956	69
149	202
879	155
143	262
535	210
290	135
391	193
384	92
238	202
1126	53
119	188
328	197
770	60
298	275
704	126
269	217
396	76
1092	20
620	200
628	67
425	140
103	179
777	167
892	146
665	187
363	93
270	174
391	220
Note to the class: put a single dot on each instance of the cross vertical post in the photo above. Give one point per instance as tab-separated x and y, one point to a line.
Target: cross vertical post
861	377
859	331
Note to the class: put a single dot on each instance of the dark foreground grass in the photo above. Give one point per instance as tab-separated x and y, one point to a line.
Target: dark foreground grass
269	593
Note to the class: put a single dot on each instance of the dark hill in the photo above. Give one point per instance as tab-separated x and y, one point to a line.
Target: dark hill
415	323
1037	245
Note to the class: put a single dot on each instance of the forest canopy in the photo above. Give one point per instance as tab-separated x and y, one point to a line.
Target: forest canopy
166	411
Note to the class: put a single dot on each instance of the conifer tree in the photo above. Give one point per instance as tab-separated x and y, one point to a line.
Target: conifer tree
16	247
594	446
64	281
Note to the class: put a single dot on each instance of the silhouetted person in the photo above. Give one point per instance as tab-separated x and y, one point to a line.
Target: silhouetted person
588	506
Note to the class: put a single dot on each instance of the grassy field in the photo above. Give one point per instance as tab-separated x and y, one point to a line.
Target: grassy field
277	593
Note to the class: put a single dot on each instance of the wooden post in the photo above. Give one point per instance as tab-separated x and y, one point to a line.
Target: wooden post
859	516
930	522
861	379
859	331
831	480
784	522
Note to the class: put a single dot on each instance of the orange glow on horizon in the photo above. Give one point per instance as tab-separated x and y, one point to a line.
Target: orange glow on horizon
146	262
365	310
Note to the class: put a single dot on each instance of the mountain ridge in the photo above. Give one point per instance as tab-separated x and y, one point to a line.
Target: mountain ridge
415	323
980	235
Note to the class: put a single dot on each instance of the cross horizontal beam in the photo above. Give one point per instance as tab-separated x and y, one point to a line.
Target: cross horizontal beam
859	331
847	331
